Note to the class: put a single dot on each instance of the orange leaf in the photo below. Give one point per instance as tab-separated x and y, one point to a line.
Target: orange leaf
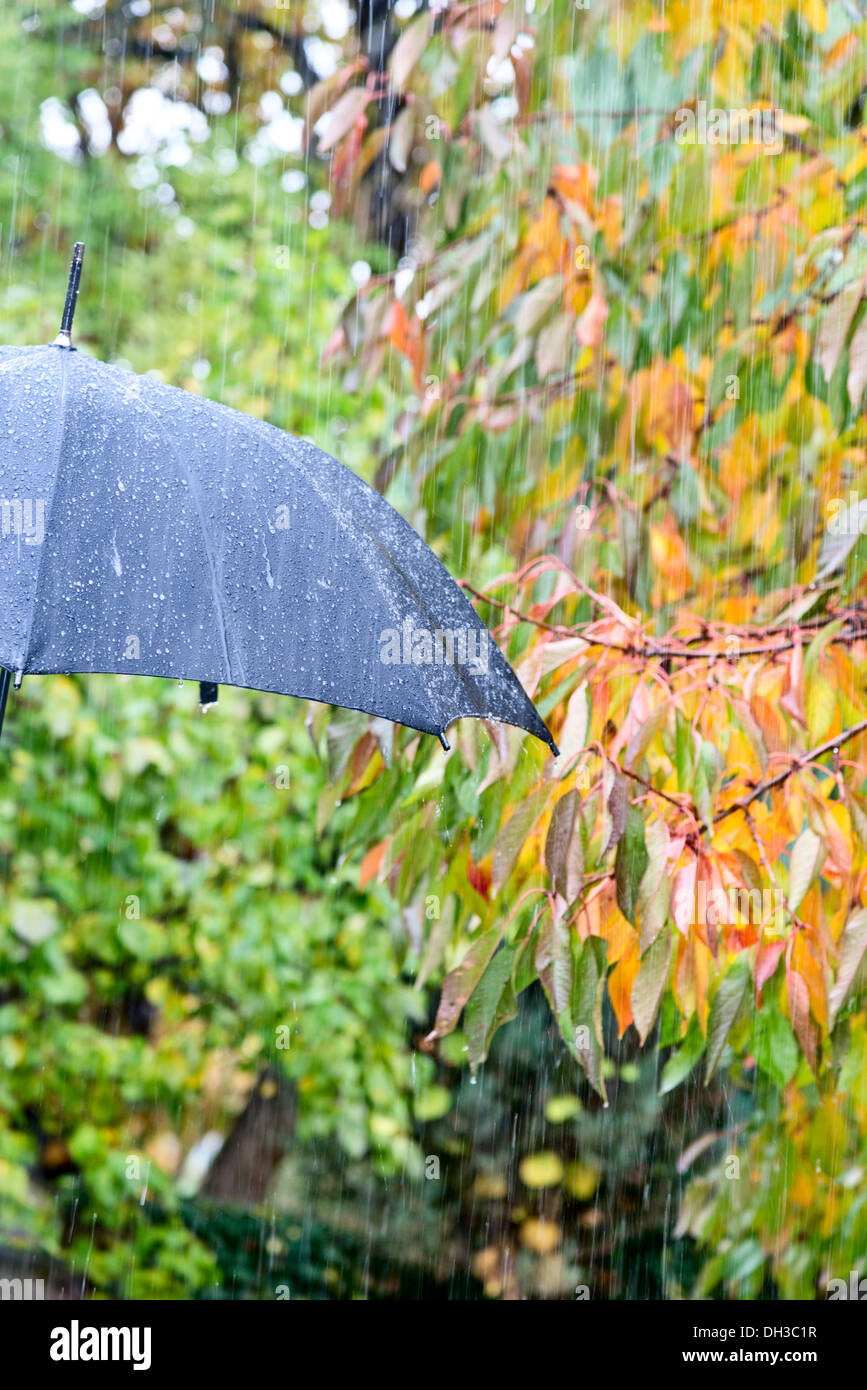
769	721
406	336
544	251
371	862
575	183
813	975
430	176
620	936
620	983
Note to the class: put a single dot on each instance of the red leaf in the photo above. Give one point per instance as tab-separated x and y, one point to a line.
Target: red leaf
479	876
767	960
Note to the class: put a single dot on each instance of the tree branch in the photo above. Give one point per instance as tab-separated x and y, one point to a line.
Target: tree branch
798	763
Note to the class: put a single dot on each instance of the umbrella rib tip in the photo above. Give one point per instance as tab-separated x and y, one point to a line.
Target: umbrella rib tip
443	740
64	337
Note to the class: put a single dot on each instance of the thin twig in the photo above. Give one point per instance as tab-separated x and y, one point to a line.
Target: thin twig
798	763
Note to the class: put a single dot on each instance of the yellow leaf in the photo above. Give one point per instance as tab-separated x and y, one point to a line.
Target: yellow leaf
581	1181
701	957
561	1108
816	14
541	1170
821	708
541	1236
792	125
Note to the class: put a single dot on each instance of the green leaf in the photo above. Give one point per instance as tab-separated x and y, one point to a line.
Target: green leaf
650	982
432	1103
681	1063
853	1073
34	920
654	893
344	730
588	990
460	982
774	1045
841	536
142	939
513	835
488	1006
723	1011
630	864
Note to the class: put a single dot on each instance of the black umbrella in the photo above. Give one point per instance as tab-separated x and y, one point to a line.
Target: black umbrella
147	530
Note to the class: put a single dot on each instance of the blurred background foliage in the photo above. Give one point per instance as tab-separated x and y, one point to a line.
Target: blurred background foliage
462	250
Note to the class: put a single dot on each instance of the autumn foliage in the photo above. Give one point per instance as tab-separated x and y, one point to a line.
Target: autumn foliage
650	372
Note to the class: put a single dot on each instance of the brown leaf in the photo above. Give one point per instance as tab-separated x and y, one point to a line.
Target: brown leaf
523	80
400	138
793	700
342	117
564	857
857	378
618	808
553	347
852	946
799	1012
835	326
407	51
460	982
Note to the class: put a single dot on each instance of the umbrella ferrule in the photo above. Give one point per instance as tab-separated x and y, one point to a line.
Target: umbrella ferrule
64	337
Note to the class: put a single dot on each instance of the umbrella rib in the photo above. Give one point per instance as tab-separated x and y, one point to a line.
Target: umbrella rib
58	451
477	707
423	608
215	590
310	475
419	600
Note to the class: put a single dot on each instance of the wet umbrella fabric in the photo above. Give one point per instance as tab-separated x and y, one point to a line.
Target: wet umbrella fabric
150	531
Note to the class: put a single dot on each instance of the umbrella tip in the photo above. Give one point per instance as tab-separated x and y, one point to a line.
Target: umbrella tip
552	745
443	740
64	337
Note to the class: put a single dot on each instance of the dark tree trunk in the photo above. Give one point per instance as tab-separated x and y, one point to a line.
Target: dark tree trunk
242	1171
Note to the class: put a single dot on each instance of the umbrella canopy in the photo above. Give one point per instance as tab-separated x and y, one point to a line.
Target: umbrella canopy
146	530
